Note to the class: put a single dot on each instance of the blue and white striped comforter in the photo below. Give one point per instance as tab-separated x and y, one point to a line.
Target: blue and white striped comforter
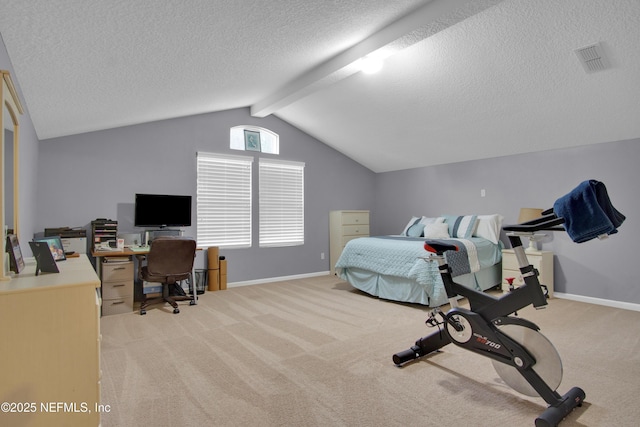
404	257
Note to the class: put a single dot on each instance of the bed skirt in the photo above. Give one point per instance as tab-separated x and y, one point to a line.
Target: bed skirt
405	290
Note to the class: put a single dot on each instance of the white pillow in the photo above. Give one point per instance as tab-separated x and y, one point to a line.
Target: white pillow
438	230
489	227
426	220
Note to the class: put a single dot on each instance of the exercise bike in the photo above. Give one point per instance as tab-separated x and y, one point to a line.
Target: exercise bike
523	357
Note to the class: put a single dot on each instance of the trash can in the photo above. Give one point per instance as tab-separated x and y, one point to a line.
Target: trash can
200	277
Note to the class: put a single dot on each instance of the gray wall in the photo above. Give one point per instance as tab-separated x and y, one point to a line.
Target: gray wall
96	175
599	269
70	181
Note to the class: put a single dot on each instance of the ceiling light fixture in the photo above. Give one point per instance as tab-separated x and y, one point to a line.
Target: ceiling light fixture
370	65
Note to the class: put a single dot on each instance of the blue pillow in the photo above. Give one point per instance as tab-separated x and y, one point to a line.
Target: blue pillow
414	220
461	227
415	230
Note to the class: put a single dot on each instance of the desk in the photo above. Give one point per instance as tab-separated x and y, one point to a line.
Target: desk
50	343
123	252
123	296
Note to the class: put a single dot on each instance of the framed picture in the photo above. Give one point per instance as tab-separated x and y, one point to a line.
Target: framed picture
55	246
16	262
252	140
44	258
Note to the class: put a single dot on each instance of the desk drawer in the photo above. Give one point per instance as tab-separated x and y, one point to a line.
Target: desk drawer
117	306
117	271
120	289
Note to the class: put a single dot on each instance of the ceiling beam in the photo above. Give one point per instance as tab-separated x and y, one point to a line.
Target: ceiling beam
414	27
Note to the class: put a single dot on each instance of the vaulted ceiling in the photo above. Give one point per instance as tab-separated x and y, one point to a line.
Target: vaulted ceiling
461	80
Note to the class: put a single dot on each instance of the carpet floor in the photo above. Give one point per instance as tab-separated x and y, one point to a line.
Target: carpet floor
316	352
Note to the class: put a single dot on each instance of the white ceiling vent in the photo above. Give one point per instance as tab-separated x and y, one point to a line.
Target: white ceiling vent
592	58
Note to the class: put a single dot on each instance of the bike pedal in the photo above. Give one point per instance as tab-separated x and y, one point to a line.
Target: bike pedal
433	322
545	291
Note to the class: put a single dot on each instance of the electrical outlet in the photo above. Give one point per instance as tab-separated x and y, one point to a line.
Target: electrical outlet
483	192
321	255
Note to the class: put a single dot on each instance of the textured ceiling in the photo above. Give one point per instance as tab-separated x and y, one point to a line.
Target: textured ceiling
462	79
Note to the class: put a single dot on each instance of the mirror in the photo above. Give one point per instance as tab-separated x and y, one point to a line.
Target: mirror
9	136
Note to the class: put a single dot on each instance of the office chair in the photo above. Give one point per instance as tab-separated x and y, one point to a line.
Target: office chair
169	261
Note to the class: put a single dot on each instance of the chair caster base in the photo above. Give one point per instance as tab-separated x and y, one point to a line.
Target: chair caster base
143	311
176	310
192	302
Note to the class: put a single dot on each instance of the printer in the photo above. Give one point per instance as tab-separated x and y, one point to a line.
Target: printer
73	239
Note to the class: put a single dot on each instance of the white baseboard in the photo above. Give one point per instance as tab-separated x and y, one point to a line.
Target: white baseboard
277	279
599	301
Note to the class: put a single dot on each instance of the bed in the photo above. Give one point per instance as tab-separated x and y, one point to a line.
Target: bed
393	267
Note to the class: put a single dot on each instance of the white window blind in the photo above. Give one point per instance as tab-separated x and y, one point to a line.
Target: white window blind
281	203
224	200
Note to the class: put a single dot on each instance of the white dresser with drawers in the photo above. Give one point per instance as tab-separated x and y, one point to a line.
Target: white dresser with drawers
344	226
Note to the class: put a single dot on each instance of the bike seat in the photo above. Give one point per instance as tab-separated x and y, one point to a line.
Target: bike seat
439	248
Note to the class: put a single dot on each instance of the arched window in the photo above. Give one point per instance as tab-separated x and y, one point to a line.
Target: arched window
254	138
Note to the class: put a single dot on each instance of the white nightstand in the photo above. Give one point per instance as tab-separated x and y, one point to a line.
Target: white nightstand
541	261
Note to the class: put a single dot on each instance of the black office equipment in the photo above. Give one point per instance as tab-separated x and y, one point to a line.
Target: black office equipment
66	232
162	210
103	231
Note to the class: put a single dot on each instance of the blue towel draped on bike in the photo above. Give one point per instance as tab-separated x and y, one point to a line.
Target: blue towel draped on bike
588	212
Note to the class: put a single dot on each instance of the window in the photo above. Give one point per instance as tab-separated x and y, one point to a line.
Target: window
224	200
281	203
269	141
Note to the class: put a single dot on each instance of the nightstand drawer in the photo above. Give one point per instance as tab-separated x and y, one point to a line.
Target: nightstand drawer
511	262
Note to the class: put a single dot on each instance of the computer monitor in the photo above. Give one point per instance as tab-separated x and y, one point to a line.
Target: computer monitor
162	210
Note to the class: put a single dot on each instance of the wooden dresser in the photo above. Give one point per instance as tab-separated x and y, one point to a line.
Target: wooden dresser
345	226
50	346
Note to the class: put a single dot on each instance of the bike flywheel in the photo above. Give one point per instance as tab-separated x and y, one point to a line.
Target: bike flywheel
548	364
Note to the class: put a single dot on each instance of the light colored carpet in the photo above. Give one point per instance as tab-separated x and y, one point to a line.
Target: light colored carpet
315	352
